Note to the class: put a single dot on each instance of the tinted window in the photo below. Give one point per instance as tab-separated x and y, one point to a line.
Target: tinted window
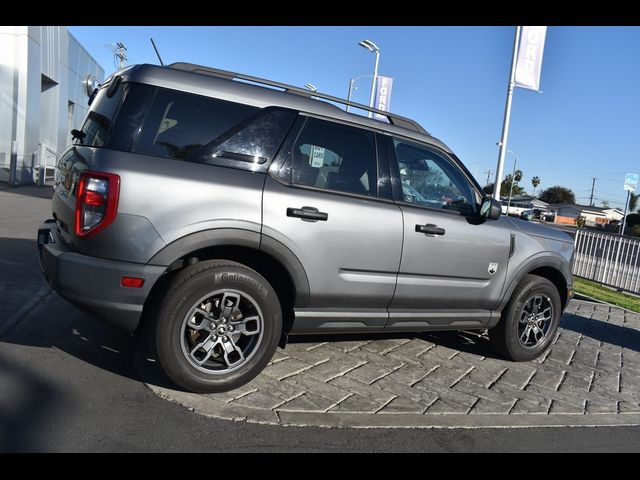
98	122
431	180
336	157
254	141
124	132
180	123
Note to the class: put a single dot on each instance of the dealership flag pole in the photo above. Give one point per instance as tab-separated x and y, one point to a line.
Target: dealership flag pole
507	117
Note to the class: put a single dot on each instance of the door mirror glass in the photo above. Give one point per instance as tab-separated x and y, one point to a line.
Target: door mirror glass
490	208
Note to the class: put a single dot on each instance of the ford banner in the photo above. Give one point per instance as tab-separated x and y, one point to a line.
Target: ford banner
383	96
529	63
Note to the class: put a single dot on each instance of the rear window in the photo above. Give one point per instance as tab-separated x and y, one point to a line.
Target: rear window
178	123
169	123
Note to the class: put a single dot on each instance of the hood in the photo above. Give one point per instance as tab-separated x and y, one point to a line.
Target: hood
537	230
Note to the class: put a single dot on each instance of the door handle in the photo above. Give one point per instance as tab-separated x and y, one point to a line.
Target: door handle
430	229
307	213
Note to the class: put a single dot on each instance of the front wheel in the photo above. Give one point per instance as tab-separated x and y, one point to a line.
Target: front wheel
218	326
529	321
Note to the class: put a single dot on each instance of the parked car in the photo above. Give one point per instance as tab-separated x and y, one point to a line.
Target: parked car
527	215
222	216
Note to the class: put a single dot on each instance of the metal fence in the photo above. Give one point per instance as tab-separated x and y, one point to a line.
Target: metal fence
608	259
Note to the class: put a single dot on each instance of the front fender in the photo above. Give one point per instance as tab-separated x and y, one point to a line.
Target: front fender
541	259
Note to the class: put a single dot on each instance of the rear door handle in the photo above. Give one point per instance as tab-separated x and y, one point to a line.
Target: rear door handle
307	213
430	229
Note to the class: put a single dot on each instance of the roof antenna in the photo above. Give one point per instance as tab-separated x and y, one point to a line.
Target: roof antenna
157	53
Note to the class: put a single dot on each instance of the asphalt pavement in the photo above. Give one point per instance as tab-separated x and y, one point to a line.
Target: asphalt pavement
68	383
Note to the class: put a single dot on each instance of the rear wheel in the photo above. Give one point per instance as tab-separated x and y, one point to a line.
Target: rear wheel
218	326
529	321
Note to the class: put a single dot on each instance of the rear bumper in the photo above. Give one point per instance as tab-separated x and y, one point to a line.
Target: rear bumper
93	284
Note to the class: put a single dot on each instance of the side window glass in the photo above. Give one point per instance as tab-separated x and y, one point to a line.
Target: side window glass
254	141
335	157
126	128
429	179
179	123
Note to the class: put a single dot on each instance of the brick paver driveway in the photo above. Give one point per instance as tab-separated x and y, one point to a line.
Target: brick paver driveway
590	375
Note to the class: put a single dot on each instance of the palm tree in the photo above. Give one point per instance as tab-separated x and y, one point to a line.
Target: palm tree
535	181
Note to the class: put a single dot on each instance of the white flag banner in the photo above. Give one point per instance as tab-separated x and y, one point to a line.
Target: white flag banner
384	85
529	62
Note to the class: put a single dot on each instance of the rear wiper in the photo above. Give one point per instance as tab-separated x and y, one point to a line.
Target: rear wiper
77	134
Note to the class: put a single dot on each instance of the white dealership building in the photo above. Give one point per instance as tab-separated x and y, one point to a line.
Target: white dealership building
45	79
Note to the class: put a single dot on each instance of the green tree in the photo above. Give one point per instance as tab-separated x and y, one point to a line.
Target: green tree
558	194
505	186
535	181
633	201
633	219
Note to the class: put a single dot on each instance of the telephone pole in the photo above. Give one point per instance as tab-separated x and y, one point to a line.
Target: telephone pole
119	54
593	186
488	177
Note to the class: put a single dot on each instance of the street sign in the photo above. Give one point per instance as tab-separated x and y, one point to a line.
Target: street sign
631	182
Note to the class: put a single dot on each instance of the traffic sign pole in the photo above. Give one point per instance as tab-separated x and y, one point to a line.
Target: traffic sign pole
626	207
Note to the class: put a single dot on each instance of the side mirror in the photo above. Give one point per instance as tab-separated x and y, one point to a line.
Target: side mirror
490	208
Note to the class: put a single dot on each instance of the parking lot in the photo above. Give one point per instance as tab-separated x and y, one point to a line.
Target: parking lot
72	383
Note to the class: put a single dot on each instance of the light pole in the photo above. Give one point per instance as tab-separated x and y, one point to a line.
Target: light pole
513	175
351	83
373	48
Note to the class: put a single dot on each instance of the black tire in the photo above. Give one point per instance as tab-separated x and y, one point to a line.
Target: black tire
185	290
504	336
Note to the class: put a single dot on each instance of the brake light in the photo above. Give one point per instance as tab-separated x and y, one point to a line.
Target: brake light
96	202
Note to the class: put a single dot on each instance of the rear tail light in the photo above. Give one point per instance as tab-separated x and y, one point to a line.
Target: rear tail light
96	202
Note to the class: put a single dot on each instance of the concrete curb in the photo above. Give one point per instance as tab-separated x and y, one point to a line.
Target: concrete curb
217	409
587	298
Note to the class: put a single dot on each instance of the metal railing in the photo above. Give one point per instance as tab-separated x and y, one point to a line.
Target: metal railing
44	164
612	260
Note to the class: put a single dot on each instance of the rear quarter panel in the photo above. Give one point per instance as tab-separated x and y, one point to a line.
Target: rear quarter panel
162	200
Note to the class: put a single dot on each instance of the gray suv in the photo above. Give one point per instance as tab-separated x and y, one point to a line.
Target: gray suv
225	212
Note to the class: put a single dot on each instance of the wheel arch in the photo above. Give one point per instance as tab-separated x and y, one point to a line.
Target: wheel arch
554	268
269	257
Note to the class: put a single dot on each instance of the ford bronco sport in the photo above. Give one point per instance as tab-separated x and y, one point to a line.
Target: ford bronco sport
227	212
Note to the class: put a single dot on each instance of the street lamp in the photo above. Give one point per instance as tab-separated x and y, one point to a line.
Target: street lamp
373	48
311	87
351	83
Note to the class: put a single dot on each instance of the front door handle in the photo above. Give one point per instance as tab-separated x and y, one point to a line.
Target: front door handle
430	229
307	213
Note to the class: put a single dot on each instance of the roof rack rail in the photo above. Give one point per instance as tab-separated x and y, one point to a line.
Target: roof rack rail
394	119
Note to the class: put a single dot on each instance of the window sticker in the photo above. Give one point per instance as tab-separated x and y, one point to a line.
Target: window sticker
317	156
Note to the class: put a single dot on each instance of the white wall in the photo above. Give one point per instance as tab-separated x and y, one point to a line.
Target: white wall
33	111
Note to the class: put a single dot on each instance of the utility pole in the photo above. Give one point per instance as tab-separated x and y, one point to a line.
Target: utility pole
488	177
593	186
119	50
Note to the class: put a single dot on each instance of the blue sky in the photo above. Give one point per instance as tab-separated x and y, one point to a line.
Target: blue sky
452	80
